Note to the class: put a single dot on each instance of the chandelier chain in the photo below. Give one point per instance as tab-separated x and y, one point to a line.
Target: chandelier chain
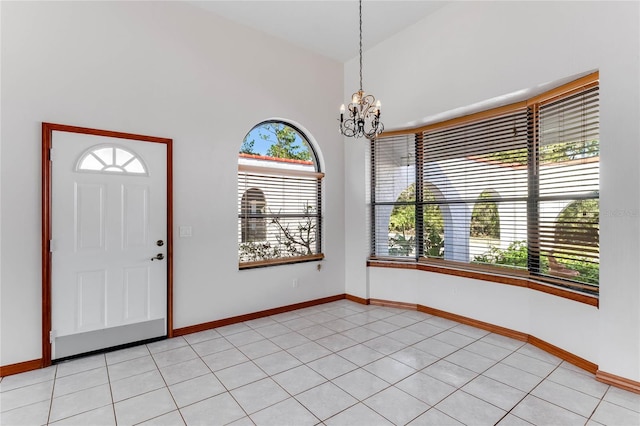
360	45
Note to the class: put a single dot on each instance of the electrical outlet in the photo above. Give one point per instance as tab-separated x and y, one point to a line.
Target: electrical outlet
295	283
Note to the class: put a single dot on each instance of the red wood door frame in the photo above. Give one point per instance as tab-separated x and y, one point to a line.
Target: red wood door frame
47	134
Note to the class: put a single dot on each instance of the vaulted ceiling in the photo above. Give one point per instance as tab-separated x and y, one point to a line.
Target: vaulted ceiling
328	27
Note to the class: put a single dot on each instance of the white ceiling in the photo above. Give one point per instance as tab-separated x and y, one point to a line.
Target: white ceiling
328	27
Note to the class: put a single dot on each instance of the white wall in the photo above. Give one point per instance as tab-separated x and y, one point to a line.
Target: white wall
165	69
468	52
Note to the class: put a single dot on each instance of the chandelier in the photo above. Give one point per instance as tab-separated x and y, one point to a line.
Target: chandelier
363	115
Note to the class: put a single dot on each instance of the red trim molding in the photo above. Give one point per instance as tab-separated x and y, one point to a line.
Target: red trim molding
475	323
47	134
524	337
389	304
20	367
254	315
621	382
591	367
356	299
565	355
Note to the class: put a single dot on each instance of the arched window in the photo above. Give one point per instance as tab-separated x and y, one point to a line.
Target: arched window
279	197
111	159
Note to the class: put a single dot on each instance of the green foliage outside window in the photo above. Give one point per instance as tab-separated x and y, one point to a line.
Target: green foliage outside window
247	146
515	255
576	231
402	225
485	220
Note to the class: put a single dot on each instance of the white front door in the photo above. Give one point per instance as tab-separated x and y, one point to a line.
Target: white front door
109	235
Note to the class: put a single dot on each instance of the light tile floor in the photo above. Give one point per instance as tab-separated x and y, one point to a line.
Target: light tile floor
340	363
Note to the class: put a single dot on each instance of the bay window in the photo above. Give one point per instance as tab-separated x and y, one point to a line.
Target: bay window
511	191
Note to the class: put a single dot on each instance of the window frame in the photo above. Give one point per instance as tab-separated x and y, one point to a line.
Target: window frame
527	278
257	171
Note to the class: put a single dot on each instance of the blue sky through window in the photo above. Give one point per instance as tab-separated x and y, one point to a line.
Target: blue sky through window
261	146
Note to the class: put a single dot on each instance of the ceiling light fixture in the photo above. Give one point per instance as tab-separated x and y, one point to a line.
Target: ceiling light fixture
363	117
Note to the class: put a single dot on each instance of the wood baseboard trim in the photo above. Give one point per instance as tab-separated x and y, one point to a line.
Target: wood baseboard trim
254	315
620	382
507	332
357	299
20	367
524	337
564	355
388	304
604	377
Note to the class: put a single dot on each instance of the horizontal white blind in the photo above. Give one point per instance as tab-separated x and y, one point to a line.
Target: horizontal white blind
279	216
518	190
475	178
393	197
569	170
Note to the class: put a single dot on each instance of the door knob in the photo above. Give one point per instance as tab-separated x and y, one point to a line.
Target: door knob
158	256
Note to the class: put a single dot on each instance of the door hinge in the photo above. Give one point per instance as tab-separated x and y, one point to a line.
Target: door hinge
52	336
50	154
51	246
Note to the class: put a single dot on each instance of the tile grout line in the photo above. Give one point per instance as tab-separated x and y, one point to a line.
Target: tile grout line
389	356
529	393
113	402
165	384
341	313
78	391
53	388
383	356
327	380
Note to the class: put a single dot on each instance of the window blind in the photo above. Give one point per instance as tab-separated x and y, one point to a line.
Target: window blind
279	214
513	190
476	177
569	169
394	197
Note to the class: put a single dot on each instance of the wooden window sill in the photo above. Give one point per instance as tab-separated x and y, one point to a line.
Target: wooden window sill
281	261
519	279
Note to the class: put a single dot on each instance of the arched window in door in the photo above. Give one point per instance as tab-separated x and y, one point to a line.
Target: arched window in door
107	158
